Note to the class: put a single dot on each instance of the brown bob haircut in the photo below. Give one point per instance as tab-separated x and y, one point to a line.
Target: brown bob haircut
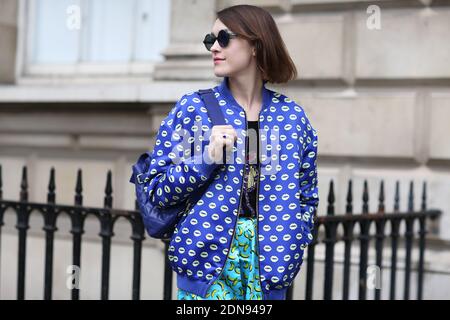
258	27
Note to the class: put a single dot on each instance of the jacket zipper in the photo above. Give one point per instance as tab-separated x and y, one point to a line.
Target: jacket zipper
239	209
257	209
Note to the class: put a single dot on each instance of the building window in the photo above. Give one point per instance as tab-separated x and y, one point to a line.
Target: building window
95	36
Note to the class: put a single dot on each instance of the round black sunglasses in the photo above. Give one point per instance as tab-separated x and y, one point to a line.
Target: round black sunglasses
223	38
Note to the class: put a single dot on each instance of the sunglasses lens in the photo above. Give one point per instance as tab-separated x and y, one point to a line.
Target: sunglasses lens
209	41
223	37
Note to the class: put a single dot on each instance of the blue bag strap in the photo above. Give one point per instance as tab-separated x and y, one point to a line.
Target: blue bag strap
214	110
212	105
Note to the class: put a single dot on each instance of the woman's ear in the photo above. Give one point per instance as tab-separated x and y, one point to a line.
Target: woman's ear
256	47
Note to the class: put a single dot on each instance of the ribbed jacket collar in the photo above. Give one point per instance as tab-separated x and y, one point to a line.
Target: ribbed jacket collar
224	89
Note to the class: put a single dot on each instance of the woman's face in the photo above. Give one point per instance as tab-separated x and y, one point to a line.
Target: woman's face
239	54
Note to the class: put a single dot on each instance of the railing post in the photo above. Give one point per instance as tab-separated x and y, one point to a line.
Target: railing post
290	292
330	240
167	294
348	238
22	226
380	224
106	233
138	236
395	225
77	219
364	245
49	228
422	233
408	240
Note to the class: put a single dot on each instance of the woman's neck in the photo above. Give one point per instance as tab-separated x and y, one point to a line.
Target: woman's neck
247	91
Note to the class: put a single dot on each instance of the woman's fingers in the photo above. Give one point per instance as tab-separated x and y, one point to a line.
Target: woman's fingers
229	142
221	130
221	136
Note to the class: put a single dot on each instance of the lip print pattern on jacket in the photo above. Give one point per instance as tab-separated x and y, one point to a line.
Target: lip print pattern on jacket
288	192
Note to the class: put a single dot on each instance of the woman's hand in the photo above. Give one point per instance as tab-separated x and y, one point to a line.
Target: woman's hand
221	135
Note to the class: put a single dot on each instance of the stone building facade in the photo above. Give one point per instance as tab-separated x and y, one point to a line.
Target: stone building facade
374	78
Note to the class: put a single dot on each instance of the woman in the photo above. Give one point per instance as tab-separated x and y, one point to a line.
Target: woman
245	235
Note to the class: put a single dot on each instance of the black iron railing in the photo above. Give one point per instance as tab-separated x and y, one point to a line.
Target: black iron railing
329	225
329	236
78	213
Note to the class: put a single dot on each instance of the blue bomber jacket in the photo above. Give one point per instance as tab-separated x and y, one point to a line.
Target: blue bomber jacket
287	192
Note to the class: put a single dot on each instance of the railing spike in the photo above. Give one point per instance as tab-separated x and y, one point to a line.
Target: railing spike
51	187
108	191
24	185
79	189
331	199
349	206
424	196
397	196
381	198
365	208
411	197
